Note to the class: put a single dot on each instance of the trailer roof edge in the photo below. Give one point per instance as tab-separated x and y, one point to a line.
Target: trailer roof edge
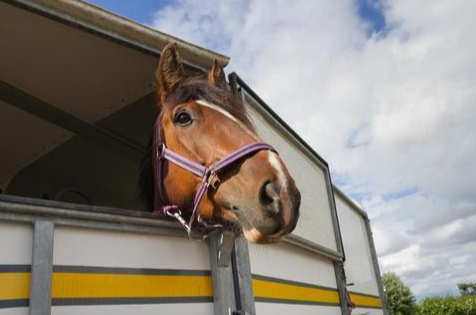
126	29
351	202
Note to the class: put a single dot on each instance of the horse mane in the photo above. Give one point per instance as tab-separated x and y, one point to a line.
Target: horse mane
190	89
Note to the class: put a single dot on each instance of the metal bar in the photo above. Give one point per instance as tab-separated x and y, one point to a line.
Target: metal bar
84	216
225	250
53	204
378	277
242	277
341	286
14	217
311	246
222	278
60	118
41	268
334	215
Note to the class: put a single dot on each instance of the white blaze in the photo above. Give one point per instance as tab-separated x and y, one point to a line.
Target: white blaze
276	163
218	109
228	115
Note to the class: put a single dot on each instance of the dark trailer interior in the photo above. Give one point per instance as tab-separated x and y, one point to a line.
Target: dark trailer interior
77	101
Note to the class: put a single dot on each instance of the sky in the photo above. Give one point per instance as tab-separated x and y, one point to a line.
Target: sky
384	90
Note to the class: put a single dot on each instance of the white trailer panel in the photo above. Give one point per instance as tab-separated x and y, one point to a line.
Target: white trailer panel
316	218
367	311
15	243
366	290
359	268
292	263
86	247
287	277
287	309
172	309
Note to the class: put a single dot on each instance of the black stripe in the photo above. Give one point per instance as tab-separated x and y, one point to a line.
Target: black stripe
119	301
363	294
15	268
14	303
294	302
296	283
129	271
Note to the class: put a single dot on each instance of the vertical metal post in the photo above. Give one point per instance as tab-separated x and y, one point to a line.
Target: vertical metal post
222	278
242	276
341	286
378	277
41	268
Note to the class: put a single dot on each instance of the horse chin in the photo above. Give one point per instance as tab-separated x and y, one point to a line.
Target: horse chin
240	225
254	236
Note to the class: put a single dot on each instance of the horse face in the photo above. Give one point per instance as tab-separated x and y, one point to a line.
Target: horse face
256	193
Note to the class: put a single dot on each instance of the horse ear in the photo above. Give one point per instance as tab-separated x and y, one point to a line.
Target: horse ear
170	71
217	75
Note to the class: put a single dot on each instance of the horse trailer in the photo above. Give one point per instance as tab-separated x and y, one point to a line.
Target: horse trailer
76	114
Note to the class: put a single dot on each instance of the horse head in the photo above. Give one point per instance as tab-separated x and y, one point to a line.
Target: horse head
200	120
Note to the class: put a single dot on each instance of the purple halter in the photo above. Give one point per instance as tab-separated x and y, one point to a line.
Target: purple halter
162	204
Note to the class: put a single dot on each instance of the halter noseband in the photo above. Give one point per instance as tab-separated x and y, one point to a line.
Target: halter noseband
207	174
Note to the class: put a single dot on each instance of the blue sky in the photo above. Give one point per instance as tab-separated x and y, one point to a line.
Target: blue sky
385	94
371	11
143	10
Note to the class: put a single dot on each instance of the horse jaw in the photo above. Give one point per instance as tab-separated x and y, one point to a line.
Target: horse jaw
254	236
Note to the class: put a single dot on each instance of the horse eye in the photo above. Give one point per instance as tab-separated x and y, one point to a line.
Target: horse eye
183	119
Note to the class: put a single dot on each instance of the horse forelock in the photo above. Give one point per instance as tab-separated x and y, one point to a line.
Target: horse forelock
198	88
190	89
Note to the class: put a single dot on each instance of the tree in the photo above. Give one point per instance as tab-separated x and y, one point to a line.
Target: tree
400	298
467	288
439	306
451	305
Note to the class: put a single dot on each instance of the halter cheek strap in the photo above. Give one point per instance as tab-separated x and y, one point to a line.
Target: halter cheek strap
207	174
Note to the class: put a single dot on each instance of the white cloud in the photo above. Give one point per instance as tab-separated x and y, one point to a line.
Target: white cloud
393	114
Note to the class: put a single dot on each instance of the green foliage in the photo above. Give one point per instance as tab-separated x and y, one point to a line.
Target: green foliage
438	306
402	302
467	304
467	288
450	305
400	298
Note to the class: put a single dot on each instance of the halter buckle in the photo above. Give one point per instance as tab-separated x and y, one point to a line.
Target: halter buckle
160	151
212	180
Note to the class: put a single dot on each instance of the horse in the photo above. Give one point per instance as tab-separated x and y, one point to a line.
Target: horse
200	123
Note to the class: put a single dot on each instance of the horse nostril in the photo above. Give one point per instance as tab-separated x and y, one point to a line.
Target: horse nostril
268	193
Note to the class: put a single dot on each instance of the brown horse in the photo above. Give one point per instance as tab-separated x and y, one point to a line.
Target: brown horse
203	122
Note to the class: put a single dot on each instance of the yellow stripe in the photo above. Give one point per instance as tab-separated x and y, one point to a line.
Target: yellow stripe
274	290
363	301
14	285
80	285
